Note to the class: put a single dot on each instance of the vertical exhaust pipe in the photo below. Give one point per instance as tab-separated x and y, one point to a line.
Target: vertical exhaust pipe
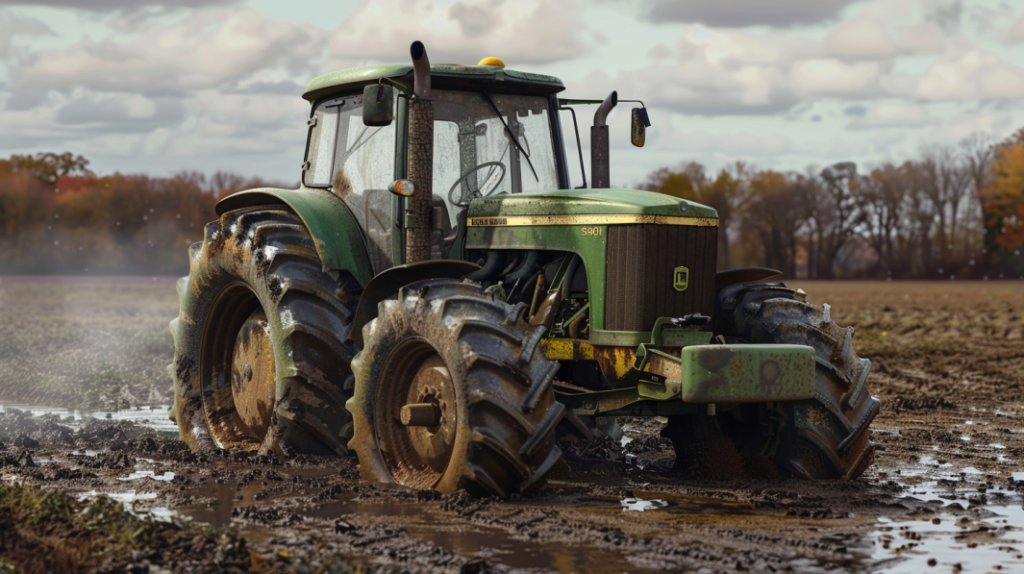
420	165
600	164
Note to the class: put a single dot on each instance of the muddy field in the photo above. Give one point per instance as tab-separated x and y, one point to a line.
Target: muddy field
944	494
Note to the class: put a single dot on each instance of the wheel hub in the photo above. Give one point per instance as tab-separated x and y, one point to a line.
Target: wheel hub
417	416
433	385
253	374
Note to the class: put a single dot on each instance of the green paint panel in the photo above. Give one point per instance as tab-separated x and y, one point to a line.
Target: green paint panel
747	373
589	202
336	233
353	77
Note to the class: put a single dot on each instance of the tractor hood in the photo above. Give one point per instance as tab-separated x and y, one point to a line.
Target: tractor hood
572	202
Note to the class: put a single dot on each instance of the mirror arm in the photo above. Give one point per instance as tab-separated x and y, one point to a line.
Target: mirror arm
579	146
403	88
643	110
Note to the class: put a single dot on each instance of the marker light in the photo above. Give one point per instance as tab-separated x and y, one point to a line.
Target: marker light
402	187
491	61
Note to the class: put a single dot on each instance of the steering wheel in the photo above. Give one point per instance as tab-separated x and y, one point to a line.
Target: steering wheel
477	193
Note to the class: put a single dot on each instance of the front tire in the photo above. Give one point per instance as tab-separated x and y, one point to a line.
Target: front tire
260	361
474	367
826	437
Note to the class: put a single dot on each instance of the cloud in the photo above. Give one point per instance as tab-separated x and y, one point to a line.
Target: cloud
117	5
831	77
21	100
743	13
1016	33
281	87
969	73
946	14
203	50
12	25
713	71
955	129
857	111
519	32
862	37
752	73
116	113
921	39
892	115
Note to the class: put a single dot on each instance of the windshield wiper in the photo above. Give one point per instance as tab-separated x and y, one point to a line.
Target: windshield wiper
515	140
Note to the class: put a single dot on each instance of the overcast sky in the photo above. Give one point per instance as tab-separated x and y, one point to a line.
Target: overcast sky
159	86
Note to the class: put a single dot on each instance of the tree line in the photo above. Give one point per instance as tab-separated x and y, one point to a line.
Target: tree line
955	212
57	216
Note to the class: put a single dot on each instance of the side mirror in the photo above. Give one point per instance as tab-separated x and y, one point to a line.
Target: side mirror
638	133
378	105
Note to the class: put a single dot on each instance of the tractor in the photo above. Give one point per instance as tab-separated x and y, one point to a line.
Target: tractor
436	299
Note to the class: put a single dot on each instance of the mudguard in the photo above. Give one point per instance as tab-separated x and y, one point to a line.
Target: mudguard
388	282
743	275
336	233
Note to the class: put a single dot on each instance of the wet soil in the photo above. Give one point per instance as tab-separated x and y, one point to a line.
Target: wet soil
944	494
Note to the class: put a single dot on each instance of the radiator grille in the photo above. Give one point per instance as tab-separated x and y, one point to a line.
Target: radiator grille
640	269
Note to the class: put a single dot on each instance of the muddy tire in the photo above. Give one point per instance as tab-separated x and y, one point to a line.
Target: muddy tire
476	369
260	361
826	437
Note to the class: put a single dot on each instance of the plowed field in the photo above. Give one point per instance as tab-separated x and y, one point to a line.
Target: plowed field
943	495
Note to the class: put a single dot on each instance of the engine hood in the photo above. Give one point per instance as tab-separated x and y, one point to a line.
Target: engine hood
589	202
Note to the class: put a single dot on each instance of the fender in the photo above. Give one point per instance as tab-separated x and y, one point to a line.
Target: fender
388	282
336	233
743	275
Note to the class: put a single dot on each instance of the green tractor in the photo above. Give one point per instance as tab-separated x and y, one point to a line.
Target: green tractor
436	299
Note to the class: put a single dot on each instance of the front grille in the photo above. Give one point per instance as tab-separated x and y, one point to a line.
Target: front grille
640	268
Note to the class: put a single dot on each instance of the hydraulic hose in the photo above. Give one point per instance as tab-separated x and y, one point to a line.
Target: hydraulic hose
524	268
490	267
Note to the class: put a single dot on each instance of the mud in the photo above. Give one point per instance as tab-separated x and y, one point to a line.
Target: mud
944	494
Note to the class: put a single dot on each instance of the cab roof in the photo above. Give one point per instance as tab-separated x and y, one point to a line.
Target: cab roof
442	76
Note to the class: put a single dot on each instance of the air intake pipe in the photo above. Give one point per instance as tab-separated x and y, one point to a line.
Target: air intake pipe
420	165
600	165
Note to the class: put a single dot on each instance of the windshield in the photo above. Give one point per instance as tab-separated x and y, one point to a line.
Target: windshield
475	156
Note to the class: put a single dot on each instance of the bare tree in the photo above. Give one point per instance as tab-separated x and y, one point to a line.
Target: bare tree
946	180
835	216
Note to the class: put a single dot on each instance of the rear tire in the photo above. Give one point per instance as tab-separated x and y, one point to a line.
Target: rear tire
258	311
444	342
826	437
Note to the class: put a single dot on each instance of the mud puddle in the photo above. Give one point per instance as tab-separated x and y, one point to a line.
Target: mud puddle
155	418
961	522
495	545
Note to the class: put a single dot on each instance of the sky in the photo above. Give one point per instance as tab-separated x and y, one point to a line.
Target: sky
160	86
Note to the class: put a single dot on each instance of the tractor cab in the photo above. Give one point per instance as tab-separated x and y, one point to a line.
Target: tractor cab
495	132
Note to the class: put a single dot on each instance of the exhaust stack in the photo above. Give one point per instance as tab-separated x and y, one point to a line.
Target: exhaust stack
420	165
600	164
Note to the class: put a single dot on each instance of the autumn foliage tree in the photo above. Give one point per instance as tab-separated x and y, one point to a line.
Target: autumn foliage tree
1004	197
56	216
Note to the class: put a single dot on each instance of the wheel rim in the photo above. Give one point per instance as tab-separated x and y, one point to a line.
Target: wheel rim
232	339
415	374
254	374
